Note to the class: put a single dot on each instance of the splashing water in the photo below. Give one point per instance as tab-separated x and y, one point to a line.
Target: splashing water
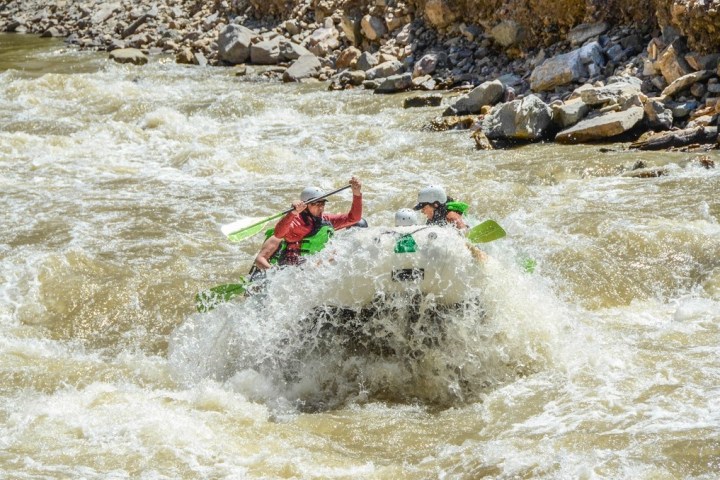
339	330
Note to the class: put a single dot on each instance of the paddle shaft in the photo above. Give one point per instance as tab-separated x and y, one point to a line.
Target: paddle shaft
266	220
312	200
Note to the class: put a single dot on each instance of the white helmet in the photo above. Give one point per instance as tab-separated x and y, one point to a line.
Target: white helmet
309	193
431	194
405	217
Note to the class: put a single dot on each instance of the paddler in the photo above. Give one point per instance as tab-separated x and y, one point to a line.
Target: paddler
307	228
440	209
443	210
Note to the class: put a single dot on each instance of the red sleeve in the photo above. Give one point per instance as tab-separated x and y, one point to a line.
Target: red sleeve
288	223
352	217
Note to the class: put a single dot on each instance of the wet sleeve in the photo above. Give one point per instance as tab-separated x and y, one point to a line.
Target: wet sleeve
350	218
286	224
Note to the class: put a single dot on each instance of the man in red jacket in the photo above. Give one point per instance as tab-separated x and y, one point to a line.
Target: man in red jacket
307	228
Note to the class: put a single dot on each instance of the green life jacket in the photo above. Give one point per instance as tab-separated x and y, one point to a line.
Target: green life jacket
308	246
314	243
458	207
273	260
440	214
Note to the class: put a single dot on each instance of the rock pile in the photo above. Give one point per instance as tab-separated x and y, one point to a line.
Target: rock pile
527	75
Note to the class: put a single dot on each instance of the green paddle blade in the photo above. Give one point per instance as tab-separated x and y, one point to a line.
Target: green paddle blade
247	232
209	299
487	231
247	227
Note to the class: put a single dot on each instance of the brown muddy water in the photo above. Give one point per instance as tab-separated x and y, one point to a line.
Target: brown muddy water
115	180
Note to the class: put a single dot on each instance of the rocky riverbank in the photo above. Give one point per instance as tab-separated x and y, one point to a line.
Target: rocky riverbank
562	70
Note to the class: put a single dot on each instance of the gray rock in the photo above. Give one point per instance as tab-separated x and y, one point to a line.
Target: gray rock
584	32
488	93
234	44
307	66
266	52
395	83
292	51
612	93
524	119
658	116
385	69
507	33
129	55
566	68
602	127
366	61
569	113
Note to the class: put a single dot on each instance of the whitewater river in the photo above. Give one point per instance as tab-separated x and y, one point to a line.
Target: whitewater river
115	180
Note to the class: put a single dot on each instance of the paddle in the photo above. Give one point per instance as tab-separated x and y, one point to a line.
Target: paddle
247	227
487	231
210	298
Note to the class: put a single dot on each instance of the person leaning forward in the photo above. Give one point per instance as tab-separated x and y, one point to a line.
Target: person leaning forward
307	228
439	209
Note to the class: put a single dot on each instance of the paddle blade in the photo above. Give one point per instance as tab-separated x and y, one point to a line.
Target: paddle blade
487	231
247	227
209	299
248	232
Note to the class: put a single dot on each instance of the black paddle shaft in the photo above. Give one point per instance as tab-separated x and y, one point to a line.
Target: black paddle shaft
313	200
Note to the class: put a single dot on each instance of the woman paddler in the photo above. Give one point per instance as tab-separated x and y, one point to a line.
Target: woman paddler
439	209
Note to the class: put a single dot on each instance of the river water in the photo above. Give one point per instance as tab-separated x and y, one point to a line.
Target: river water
115	180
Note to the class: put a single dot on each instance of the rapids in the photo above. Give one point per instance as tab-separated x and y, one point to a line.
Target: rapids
114	183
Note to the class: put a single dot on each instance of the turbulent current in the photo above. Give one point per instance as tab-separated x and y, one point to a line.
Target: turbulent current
602	362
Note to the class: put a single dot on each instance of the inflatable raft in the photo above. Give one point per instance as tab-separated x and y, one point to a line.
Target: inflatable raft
360	265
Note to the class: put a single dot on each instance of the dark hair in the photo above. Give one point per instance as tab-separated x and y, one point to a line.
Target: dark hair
439	214
315	222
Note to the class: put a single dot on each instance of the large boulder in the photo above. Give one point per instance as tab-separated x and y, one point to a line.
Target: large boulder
525	119
307	66
487	93
617	92
568	67
234	44
384	70
266	52
602	127
395	83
